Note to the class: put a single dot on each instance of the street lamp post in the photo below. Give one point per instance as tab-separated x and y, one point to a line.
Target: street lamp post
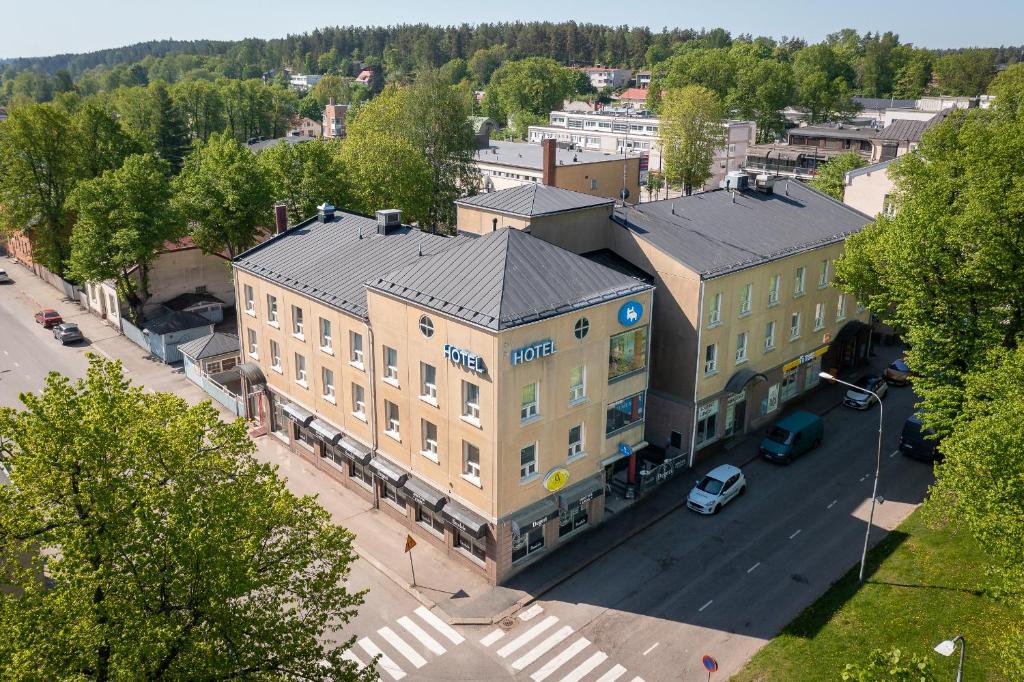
878	464
947	647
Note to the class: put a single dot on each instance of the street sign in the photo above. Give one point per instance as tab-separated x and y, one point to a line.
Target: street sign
710	664
409	543
625	449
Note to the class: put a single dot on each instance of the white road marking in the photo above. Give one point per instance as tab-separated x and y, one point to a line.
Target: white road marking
531	612
17	364
440	625
862	479
894	453
613	674
418	632
637	679
349	656
751	569
490	639
561	659
6	353
706	605
402	647
651	648
831	504
527	636
386	664
585	667
796	533
542	648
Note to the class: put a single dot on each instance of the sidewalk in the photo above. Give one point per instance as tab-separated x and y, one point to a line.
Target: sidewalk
462	595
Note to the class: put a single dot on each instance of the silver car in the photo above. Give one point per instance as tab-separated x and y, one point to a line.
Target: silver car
4	277
716	489
67	332
859	398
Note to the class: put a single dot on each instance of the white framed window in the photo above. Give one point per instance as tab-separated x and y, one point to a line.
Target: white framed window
358	402
746	296
391	365
819	316
428	383
576	441
741	347
429	446
841	307
527	461
593	183
798	282
392	424
300	370
707	422
577	384
327	377
275	356
773	289
326	338
769	336
528	404
355	342
711	359
426	326
715	310
471	402
823	274
253	346
471	462
298	325
794	326
250	300
272	309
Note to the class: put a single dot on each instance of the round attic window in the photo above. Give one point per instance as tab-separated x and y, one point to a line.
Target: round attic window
426	326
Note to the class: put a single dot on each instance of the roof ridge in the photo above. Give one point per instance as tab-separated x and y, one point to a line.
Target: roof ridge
504	271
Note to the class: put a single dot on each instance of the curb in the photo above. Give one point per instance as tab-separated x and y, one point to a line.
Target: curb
395	578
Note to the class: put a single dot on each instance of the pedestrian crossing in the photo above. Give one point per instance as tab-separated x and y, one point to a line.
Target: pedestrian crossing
406	646
558	652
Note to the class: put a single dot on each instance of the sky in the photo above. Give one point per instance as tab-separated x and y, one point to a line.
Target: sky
34	28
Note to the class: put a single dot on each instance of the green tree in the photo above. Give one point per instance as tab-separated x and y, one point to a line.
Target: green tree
305	175
485	62
823	83
101	142
691	132
763	88
385	171
124	218
170	135
890	666
224	195
967	72
172	553
535	85
201	106
831	178
914	74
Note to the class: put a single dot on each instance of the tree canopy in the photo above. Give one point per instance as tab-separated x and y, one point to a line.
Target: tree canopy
691	132
305	175
831	178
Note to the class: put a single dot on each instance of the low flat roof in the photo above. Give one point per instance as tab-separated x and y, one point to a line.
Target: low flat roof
530	155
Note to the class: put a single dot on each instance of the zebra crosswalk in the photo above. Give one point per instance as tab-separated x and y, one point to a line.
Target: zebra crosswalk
413	639
558	653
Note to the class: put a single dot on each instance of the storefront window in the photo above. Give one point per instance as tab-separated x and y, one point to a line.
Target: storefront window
707	422
628	352
279	423
529	542
430	520
789	385
571	519
625	413
304	435
390	493
360	473
475	548
811	379
333	454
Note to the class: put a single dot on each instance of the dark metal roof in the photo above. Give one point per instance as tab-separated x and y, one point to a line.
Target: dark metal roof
885	103
533	200
713	235
189	299
218	343
506	278
175	321
844	133
331	263
909	130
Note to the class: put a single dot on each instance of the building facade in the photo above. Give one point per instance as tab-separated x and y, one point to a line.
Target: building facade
869	189
333	125
604	77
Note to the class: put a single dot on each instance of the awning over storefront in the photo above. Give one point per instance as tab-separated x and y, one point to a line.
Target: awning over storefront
252	373
462	519
738	381
425	495
356	450
325	431
581	493
388	471
298	414
535	515
850	330
619	455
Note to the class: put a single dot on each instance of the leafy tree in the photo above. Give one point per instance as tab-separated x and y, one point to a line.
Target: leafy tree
823	83
305	175
124	218
914	73
385	171
224	195
967	72
171	137
890	666
535	85
485	62
762	89
831	178
691	132
171	552
201	106
101	142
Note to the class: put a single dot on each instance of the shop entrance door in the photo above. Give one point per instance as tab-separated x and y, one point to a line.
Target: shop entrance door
740	417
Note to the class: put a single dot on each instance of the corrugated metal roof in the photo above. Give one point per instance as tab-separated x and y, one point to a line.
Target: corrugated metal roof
331	263
506	278
885	103
218	343
530	155
909	130
712	235
533	200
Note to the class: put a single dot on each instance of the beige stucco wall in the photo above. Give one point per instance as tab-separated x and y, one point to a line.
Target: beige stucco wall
578	231
576	177
867	192
180	272
481	221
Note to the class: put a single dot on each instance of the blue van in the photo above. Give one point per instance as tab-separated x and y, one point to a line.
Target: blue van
792	436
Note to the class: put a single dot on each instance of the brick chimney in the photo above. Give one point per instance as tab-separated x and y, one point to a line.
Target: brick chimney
549	164
280	216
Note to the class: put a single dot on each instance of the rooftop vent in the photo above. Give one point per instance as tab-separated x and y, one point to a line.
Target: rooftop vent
326	212
734	180
764	183
388	220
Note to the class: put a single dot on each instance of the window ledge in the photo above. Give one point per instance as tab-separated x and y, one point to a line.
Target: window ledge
579	401
530	420
524	480
472	421
840	319
429	400
327	349
300	337
431	456
576	458
361	416
391	382
819	327
741	361
712	325
273	324
357	365
631	373
277	368
393	434
745	314
772	304
711	373
304	384
475	480
794	338
769	349
254	356
799	294
331	399
250	313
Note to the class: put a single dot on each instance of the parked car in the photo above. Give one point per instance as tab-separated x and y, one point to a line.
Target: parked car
716	489
4	277
859	398
897	373
67	332
48	318
917	441
792	436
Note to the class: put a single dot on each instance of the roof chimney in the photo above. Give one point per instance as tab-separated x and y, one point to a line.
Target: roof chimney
388	220
326	212
549	166
331	101
280	217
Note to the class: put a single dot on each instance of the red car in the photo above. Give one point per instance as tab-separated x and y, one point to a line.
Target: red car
48	318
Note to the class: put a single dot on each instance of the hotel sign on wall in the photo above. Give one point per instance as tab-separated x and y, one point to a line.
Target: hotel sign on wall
470	361
541	349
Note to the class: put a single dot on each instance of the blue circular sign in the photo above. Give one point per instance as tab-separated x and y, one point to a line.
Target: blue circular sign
630	313
625	450
710	664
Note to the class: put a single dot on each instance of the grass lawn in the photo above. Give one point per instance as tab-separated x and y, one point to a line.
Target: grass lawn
927	588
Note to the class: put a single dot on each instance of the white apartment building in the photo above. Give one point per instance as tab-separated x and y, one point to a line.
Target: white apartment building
627	130
301	81
602	77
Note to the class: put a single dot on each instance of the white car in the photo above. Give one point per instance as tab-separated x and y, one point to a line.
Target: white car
860	399
4	278
716	489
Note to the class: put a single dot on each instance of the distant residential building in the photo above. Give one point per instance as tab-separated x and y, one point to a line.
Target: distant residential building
301	81
302	126
334	120
869	189
642	79
604	77
365	77
635	98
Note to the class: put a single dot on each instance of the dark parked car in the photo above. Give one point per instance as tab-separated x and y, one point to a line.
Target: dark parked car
860	399
917	441
4	277
48	318
67	332
897	373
